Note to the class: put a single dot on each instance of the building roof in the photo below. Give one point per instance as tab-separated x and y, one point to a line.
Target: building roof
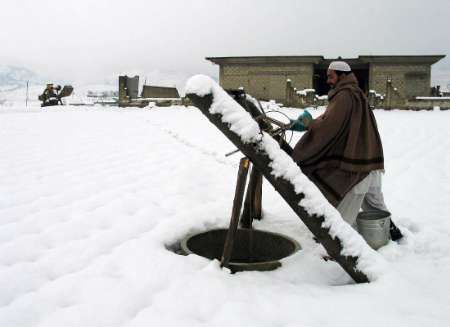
360	60
265	59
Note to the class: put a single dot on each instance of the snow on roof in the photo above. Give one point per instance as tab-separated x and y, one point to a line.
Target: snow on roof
433	98
305	91
240	121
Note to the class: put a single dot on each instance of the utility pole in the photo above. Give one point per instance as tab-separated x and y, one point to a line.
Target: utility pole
26	99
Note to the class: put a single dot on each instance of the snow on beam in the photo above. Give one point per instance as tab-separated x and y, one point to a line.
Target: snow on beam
340	240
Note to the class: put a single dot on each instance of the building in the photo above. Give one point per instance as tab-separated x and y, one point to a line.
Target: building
399	78
159	95
149	91
128	88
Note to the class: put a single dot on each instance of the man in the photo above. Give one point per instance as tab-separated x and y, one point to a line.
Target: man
341	152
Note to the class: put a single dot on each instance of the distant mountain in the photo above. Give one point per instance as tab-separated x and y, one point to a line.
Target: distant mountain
14	77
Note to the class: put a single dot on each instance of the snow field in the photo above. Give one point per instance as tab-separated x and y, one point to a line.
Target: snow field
91	198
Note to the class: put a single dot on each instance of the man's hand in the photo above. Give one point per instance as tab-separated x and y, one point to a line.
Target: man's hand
305	118
301	124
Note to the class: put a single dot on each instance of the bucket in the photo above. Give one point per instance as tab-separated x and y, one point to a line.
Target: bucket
374	227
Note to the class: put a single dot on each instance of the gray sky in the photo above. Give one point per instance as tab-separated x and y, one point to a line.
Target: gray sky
94	40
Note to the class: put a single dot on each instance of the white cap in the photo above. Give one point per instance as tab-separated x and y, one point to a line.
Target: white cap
340	66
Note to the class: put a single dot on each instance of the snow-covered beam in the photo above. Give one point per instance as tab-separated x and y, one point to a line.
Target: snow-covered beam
340	240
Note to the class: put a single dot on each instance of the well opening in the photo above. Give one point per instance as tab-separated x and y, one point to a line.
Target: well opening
252	249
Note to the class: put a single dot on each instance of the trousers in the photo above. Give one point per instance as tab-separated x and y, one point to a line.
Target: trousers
365	195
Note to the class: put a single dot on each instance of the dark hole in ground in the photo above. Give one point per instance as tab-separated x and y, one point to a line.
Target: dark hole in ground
252	249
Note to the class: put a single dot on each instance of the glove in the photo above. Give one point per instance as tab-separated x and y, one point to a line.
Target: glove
302	122
306	116
297	125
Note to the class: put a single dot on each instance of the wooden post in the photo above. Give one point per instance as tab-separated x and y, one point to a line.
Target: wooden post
252	209
289	93
262	162
236	212
257	202
388	92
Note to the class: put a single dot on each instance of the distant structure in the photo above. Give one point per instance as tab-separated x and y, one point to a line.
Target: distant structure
105	98
397	81
446	93
149	91
128	89
53	94
159	95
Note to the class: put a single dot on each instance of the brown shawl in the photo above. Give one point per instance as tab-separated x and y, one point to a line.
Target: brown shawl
343	145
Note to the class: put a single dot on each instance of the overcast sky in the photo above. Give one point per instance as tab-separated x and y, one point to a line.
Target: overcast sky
84	40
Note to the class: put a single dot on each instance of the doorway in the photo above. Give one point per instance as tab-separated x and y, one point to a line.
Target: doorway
320	78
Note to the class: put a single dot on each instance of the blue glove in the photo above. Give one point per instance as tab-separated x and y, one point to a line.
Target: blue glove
298	125
305	116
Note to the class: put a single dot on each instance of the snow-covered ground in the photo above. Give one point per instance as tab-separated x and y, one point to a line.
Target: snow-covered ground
91	197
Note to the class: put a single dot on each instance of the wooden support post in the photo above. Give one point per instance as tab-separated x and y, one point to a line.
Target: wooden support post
236	212
257	202
252	209
262	162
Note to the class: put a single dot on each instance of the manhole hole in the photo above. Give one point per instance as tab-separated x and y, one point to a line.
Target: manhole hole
252	250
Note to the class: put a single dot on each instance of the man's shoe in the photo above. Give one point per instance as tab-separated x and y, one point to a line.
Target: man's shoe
396	234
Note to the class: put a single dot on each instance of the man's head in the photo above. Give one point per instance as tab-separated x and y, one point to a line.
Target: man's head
336	71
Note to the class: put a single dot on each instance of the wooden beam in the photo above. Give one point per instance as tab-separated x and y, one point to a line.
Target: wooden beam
235	212
261	161
252	209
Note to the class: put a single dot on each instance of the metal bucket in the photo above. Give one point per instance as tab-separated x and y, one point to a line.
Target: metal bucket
374	227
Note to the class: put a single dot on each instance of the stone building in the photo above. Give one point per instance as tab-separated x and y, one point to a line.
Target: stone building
149	91
159	95
400	79
128	88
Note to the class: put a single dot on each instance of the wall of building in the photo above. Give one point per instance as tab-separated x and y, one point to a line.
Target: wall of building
149	91
399	78
428	104
122	88
409	80
266	82
128	87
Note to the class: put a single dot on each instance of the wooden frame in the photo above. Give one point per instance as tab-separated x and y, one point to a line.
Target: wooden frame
262	162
